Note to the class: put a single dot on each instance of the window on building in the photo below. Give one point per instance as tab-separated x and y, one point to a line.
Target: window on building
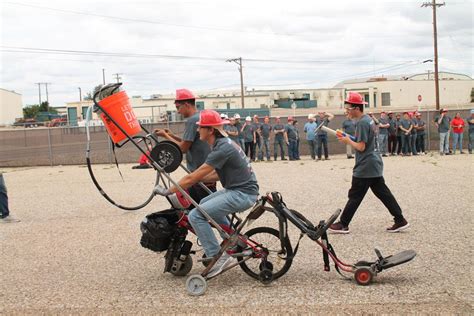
385	98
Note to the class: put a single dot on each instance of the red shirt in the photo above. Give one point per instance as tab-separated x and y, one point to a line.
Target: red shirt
457	122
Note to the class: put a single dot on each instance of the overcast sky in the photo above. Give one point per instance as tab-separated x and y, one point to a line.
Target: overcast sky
284	44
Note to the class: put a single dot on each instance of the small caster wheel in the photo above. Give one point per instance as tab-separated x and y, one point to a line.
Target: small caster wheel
186	266
196	285
363	276
265	276
266	265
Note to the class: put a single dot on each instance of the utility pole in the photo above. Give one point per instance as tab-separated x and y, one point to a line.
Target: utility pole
103	76
238	61
80	94
47	97
433	4
117	77
39	92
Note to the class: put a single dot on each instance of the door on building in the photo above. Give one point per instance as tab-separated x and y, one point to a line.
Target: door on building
84	112
72	116
200	105
366	99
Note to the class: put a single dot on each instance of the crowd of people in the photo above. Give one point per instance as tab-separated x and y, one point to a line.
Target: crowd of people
396	134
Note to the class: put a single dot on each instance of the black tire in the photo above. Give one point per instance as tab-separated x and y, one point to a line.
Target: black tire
280	260
185	268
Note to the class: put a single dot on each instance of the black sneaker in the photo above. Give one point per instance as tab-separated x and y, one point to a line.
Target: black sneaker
398	227
338	228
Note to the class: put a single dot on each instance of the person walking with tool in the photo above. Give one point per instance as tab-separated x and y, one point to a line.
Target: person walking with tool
367	172
195	149
348	126
228	164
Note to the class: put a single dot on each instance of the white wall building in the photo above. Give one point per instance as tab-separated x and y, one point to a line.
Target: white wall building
11	107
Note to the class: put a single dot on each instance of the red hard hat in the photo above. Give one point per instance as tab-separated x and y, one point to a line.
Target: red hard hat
184	94
210	118
354	98
290	118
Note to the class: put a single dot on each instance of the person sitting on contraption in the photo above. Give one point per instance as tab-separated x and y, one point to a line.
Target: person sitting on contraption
227	163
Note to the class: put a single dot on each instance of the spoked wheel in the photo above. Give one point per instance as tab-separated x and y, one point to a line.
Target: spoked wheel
279	258
196	285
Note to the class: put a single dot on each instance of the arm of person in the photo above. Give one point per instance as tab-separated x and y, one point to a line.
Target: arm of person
204	173
330	116
254	137
285	134
359	146
440	119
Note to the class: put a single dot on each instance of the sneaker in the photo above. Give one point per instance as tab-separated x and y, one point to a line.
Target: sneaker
8	219
338	228
384	155
398	227
223	262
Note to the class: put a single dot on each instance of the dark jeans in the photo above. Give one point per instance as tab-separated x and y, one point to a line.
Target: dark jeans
278	142
312	144
470	145
323	141
250	150
413	144
266	145
420	143
4	212
357	192
399	145
406	144
258	144
392	144
292	149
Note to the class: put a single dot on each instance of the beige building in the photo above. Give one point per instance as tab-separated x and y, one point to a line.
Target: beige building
11	107
413	92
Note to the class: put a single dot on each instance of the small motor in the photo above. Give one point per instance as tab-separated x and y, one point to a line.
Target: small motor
178	201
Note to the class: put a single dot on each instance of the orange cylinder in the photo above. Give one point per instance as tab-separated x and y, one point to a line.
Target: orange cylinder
118	107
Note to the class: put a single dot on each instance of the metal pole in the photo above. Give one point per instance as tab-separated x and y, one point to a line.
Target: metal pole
103	76
47	97
241	82
436	54
80	94
50	148
428	123
39	92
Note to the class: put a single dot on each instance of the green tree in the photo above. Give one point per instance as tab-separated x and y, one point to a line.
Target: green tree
30	111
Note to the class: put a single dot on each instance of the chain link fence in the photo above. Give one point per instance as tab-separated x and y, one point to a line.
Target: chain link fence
67	145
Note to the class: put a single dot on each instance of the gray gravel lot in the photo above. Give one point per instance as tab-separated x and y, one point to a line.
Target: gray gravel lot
73	253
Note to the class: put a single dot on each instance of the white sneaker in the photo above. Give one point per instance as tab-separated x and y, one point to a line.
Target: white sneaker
223	262
9	219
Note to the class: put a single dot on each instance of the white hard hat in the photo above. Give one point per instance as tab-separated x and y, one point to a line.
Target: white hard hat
224	116
310	116
248	118
236	115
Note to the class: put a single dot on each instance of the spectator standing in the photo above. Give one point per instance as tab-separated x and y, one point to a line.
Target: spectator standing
384	126
232	130
309	130
321	135
291	138
4	210
470	122
458	129
399	134
420	134
239	125
265	130
258	139
443	123
297	149
413	134
249	133
406	126
279	131
392	134
348	126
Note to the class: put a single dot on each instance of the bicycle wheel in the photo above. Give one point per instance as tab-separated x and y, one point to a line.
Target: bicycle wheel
279	258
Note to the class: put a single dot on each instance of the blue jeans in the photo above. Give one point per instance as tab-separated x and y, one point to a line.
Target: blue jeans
413	144
444	143
383	143
278	142
457	138
266	145
470	145
292	149
217	205
258	144
406	144
322	142
4	212
241	143
313	145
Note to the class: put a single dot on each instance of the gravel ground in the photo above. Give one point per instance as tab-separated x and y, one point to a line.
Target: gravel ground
73	253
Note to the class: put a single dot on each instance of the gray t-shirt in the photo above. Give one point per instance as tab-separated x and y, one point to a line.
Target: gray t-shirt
265	128
368	164
231	128
392	130
383	131
420	123
199	150
257	126
471	125
444	126
291	131
414	122
232	166
320	121
248	133
280	126
405	124
398	123
348	126
239	127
